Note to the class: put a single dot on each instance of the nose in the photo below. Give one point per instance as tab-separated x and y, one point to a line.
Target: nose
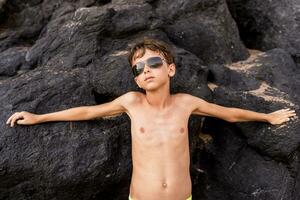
146	69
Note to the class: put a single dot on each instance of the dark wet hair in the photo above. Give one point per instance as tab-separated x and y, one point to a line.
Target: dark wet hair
139	49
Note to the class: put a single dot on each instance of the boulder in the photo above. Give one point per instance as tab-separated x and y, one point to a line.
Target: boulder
266	25
230	156
12	60
67	160
56	55
246	160
21	23
266	82
2	4
79	30
296	194
205	28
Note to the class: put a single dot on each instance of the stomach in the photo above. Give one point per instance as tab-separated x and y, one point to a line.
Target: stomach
168	188
161	175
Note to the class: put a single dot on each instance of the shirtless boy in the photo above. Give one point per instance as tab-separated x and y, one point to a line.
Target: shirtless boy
159	123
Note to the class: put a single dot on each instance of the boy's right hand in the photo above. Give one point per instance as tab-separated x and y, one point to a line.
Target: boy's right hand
24	118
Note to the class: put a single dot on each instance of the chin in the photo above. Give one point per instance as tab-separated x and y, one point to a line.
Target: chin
151	87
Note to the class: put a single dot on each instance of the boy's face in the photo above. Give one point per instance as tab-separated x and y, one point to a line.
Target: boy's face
153	78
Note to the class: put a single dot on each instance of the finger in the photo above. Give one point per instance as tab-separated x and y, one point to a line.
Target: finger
293	118
13	121
287	119
291	111
15	118
290	115
20	121
283	121
10	118
282	110
7	122
285	109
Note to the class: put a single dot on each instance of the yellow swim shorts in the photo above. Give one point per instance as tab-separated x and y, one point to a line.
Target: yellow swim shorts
190	198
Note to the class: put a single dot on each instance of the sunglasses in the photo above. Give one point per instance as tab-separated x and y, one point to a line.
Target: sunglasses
153	62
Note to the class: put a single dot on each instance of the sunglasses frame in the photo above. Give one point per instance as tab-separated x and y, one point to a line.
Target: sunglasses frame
137	72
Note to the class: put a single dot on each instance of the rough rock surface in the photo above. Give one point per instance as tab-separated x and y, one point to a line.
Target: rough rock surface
252	159
58	54
191	26
269	24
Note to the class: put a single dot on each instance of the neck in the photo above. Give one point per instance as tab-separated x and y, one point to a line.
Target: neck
160	98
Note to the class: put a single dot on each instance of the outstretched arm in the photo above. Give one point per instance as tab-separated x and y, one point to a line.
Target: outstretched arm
114	107
230	114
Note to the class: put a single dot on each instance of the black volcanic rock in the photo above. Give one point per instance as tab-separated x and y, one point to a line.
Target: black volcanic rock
58	54
205	28
12	60
265	82
266	25
242	173
72	160
253	159
276	67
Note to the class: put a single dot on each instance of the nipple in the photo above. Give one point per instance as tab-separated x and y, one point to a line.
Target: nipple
142	130
164	185
181	130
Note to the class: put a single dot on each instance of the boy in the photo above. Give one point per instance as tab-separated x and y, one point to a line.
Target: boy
159	121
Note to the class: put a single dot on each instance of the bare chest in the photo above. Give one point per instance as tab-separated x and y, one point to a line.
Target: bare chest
154	128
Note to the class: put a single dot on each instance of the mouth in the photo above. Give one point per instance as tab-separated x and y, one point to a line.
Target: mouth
149	78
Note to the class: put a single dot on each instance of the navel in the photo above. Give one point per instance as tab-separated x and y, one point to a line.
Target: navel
142	130
181	130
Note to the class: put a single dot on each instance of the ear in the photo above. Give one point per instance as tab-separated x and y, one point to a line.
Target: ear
172	70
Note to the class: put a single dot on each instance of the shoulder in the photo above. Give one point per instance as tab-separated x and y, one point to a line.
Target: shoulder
185	97
132	97
189	100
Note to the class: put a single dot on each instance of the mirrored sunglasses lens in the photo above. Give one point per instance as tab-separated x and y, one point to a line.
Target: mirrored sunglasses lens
154	62
138	68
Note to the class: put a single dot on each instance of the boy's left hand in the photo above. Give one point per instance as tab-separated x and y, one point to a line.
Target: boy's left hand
281	116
